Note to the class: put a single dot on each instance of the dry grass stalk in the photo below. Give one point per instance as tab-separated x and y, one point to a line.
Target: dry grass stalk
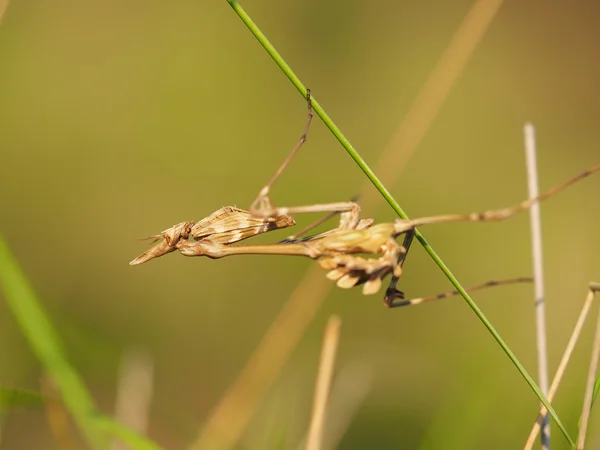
322	387
538	271
3	7
348	392
591	378
134	393
593	288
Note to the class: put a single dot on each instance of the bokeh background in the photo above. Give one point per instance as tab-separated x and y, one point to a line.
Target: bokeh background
121	118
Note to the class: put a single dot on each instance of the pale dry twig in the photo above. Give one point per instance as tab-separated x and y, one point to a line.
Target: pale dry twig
323	384
593	288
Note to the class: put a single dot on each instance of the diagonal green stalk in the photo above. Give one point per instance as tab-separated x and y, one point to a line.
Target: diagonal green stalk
126	435
47	347
395	206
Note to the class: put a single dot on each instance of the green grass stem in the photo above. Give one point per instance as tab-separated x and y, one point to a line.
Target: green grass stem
46	345
262	39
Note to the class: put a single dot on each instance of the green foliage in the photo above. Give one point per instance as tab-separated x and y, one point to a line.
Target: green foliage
45	343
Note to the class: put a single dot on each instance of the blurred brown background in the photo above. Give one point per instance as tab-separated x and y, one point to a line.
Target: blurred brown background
121	118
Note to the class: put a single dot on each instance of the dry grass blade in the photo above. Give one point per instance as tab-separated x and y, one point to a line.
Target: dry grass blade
593	288
591	378
134	393
3	6
317	423
429	102
230	417
348	393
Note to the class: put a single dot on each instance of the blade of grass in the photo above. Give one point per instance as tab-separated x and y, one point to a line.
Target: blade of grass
46	345
395	206
14	397
596	388
128	436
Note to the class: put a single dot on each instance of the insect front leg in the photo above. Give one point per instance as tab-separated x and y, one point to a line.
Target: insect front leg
215	250
401	301
392	293
349	212
296	237
262	205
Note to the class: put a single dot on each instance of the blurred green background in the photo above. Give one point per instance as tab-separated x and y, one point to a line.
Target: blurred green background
121	118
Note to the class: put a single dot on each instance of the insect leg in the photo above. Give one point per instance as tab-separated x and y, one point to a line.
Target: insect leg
417	301
392	293
262	205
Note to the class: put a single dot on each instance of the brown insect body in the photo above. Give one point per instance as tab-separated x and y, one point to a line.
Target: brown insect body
337	250
230	224
225	226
